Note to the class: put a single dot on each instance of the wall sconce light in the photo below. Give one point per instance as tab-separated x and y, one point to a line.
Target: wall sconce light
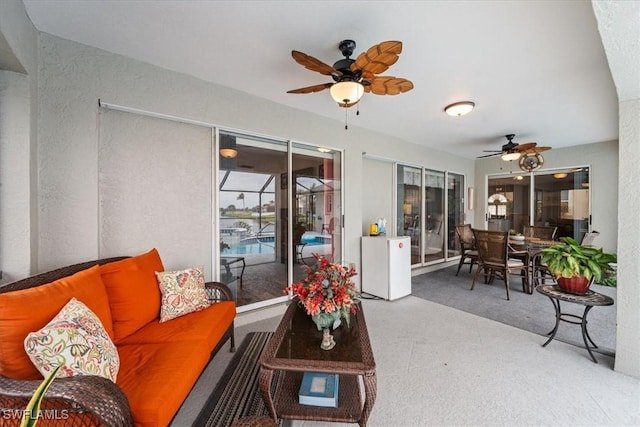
459	108
470	198
560	175
347	93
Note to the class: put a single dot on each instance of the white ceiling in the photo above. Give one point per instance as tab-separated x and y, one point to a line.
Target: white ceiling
533	68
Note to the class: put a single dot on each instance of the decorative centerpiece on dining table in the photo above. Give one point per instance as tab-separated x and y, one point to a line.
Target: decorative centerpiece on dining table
328	295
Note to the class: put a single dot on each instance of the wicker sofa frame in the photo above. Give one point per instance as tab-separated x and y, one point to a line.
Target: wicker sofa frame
82	400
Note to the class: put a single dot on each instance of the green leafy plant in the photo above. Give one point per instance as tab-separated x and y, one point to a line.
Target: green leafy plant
30	416
571	259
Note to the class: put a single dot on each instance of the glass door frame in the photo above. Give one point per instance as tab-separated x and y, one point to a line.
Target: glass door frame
532	189
291	253
445	207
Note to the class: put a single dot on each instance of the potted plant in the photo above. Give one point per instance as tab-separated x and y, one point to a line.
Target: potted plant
575	266
515	235
31	414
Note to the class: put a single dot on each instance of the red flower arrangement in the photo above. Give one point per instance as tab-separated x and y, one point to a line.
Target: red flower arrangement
327	289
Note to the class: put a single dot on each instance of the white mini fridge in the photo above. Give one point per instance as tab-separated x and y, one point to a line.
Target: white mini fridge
386	266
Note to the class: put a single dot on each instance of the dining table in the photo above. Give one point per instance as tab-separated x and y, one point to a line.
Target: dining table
529	251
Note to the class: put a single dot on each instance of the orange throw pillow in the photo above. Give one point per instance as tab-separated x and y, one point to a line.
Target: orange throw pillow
29	310
134	295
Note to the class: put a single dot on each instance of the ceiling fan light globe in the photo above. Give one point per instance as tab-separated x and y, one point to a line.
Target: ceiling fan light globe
507	157
347	94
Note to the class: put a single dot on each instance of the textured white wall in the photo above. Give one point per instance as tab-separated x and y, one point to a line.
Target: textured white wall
155	189
15	249
619	26
22	39
628	331
74	76
377	195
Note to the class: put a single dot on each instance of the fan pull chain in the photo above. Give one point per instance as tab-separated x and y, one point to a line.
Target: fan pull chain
346	125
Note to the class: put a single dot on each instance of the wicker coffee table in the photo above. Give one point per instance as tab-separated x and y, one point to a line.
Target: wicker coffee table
295	349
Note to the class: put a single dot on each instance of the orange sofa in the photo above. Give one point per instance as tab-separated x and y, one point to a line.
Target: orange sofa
159	361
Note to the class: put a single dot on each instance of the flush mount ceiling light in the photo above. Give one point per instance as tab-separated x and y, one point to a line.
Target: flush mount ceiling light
228	146
459	108
324	150
560	175
347	93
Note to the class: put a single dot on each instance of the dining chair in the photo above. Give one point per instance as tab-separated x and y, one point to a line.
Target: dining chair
540	232
493	250
588	238
467	246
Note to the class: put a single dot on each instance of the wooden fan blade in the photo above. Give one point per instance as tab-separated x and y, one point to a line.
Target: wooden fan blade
388	85
524	147
378	58
535	150
489	155
313	64
311	89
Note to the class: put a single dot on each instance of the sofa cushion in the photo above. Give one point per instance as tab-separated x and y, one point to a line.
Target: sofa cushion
28	310
208	325
156	378
182	292
76	340
134	296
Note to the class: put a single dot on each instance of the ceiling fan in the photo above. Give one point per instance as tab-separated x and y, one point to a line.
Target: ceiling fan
528	154
353	77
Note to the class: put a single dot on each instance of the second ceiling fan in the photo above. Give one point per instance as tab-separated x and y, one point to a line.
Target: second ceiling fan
528	153
354	77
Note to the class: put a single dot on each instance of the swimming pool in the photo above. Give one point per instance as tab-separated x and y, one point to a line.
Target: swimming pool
250	248
266	244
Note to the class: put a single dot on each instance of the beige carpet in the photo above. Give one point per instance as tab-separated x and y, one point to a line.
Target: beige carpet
439	366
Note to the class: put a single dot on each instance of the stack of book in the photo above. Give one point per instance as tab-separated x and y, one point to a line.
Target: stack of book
319	389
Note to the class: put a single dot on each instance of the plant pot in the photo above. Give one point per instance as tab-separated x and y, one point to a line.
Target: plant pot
578	285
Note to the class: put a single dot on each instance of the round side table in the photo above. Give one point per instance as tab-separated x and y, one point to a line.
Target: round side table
589	300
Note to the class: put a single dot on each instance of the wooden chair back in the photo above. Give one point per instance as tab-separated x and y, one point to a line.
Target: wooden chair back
492	246
465	237
540	232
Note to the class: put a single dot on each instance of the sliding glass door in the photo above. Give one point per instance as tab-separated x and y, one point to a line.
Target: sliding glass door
409	191
434	225
317	206
262	247
508	205
562	201
557	198
427	210
455	210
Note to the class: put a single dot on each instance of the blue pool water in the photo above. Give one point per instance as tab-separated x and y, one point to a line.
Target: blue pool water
266	245
252	246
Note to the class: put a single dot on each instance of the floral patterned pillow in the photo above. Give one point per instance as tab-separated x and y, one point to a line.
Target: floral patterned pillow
75	339
182	292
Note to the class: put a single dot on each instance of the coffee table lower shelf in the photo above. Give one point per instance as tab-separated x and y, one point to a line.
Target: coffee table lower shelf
349	408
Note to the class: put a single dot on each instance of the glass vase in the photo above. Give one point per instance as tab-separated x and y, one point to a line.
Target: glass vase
325	322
